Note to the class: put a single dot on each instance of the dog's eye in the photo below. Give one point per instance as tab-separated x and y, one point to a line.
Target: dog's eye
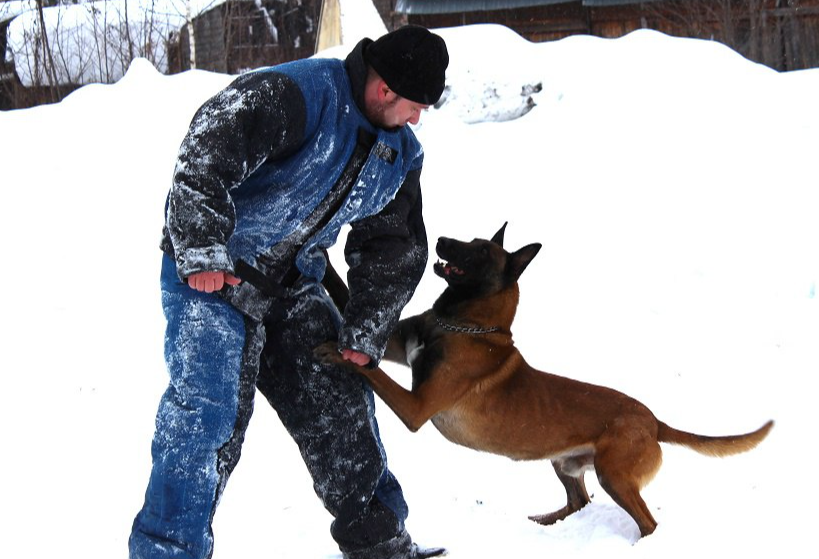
485	251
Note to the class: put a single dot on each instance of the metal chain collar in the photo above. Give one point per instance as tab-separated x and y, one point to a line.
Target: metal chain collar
465	329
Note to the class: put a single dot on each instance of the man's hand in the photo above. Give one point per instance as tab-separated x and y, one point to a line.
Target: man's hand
328	353
208	282
356	357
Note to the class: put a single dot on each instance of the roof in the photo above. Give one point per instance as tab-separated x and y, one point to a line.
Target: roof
12	9
424	7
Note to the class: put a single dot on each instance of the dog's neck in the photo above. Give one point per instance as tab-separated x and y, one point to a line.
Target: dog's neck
496	310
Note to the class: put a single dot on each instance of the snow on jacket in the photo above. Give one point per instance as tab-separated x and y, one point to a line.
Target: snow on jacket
262	154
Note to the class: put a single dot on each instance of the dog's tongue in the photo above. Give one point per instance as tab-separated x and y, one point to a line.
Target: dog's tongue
448	269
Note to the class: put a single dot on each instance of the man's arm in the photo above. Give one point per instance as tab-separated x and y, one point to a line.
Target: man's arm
387	255
260	116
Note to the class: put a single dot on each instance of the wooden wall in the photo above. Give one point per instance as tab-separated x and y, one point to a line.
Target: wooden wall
783	34
234	37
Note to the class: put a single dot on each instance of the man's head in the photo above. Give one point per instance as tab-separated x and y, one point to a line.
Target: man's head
408	68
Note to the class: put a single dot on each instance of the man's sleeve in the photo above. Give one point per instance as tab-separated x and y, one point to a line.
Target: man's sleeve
387	255
260	116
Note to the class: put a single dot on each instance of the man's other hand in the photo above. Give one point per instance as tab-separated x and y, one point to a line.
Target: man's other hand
356	357
208	282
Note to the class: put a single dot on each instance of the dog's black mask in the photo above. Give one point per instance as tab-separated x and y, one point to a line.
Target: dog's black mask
481	266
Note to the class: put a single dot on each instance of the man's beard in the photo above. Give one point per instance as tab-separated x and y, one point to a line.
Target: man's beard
376	115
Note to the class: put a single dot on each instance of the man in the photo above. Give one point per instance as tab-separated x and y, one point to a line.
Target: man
270	170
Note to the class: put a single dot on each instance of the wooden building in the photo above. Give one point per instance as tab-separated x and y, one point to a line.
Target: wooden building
8	78
238	35
783	34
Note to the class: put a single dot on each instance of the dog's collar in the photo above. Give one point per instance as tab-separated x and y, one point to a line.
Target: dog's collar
465	329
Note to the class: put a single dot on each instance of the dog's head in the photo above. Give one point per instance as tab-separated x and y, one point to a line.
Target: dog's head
482	266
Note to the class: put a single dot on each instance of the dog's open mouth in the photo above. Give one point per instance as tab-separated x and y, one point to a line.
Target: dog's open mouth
447	269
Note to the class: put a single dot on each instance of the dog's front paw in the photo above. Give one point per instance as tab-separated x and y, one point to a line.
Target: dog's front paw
328	353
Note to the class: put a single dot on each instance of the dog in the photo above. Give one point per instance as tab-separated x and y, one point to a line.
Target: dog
474	385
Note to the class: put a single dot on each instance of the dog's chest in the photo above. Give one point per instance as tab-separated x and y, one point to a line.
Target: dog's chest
455	426
414	348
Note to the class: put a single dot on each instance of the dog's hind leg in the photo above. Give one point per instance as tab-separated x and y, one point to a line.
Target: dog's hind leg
576	495
625	462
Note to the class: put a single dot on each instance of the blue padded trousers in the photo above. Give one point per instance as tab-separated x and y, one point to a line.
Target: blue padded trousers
213	354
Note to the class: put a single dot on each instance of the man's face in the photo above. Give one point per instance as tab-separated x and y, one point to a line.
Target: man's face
395	112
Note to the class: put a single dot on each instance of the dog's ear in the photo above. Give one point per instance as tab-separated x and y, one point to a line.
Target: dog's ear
498	237
519	260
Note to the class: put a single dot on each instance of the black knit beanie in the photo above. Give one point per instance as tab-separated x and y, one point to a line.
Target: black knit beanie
412	60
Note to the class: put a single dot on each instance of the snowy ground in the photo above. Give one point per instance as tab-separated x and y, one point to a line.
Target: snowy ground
673	185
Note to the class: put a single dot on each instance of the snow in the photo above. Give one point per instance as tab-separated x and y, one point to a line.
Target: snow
673	185
13	8
359	18
90	42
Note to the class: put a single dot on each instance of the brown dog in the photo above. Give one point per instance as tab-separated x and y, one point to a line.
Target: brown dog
471	381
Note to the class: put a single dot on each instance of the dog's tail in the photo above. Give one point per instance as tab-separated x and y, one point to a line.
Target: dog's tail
714	446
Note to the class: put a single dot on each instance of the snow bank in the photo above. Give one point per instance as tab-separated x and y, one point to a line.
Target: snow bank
92	42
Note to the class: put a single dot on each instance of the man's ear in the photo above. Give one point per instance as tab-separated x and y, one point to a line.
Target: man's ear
384	91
